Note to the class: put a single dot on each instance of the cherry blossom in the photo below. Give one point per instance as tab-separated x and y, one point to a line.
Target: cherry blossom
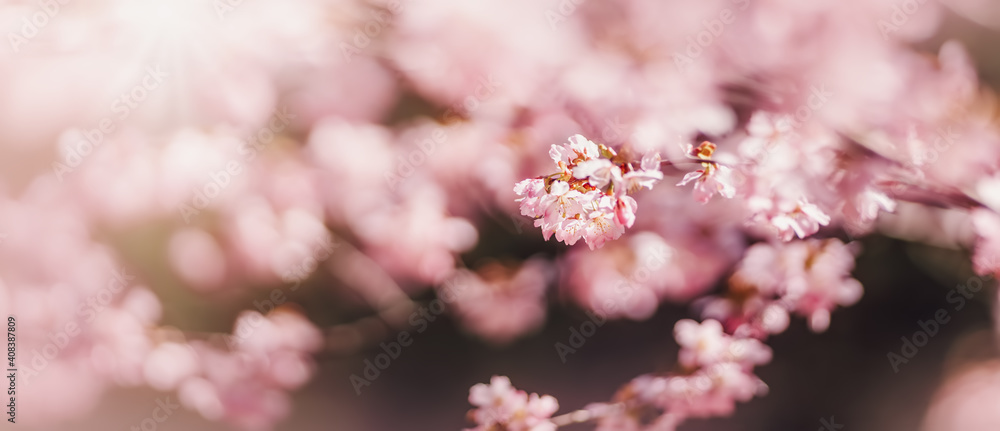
588	198
718	374
501	406
646	176
712	179
497	302
599	172
801	221
809	278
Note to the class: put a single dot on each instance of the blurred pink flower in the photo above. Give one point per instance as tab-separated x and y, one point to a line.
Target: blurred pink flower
499	303
501	405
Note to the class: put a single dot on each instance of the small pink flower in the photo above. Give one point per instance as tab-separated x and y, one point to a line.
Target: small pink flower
499	392
712	178
538	411
870	202
498	302
748	351
735	381
809	278
707	344
599	172
561	203
571	230
647	176
531	190
701	343
774	319
501	406
578	149
625	208
602	225
802	221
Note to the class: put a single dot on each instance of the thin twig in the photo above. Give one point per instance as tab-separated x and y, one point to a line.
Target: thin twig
575	417
585	415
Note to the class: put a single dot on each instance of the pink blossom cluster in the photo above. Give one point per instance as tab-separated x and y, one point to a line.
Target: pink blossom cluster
808	278
246	380
716	372
497	302
87	324
717	356
83	316
243	378
588	198
501	407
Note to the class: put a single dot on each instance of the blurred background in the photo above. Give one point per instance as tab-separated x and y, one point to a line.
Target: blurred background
344	162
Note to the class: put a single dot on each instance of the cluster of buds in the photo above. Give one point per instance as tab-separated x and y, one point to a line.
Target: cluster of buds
589	197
